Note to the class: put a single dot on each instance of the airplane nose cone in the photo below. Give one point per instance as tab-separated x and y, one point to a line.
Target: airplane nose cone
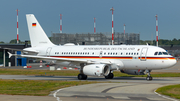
173	62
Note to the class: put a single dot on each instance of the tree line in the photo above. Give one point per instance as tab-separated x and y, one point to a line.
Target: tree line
161	42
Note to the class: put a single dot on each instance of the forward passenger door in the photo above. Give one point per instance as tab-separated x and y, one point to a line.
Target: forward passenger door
143	54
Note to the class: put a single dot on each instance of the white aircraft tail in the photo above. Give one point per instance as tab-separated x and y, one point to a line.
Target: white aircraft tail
37	35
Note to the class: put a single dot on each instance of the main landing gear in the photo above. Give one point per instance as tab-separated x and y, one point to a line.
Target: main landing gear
109	76
81	76
149	77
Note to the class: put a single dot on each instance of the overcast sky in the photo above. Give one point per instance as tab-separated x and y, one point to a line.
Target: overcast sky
138	15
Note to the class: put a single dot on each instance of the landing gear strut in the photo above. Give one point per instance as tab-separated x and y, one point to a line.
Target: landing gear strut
109	76
149	77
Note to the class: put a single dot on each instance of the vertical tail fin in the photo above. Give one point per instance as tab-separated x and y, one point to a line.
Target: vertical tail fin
37	35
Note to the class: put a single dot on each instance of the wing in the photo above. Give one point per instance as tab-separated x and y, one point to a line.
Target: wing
23	50
61	59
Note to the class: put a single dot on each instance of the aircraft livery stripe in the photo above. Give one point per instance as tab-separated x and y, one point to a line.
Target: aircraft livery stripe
97	57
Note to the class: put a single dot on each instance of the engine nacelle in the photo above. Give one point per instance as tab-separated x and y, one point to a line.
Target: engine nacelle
133	72
96	70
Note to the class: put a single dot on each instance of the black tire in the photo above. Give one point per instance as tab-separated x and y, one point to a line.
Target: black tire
106	77
82	77
85	77
109	76
149	78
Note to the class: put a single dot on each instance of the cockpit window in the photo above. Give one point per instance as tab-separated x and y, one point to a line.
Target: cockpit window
155	53
160	53
165	53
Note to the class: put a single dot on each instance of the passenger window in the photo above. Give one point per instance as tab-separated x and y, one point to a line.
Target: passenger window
134	53
155	53
121	53
160	53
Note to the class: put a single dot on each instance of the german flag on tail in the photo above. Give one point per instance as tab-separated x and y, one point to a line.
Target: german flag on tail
34	24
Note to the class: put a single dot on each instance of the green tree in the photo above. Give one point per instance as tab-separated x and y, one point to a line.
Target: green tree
14	41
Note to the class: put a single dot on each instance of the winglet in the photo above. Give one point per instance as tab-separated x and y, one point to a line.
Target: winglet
9	54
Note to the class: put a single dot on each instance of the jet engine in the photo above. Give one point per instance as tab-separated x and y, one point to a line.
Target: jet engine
133	72
96	70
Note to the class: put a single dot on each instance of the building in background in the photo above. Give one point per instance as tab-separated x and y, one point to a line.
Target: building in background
96	39
13	61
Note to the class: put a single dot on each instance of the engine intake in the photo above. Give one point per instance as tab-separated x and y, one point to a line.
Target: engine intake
96	70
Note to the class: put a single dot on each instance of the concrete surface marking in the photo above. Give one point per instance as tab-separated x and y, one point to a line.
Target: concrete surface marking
58	99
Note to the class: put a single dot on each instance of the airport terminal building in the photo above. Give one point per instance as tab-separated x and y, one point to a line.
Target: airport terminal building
13	61
96	39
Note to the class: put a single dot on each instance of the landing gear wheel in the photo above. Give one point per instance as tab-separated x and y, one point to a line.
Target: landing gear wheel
149	78
82	77
109	76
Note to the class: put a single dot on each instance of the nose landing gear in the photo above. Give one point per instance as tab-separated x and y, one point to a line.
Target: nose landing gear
149	77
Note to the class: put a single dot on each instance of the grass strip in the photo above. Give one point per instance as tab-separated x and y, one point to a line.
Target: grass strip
75	73
35	87
171	90
39	72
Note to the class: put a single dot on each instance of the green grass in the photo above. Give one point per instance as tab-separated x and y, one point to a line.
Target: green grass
75	73
39	72
35	87
171	90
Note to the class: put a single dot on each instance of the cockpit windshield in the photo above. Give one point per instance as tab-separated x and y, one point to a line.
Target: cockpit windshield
165	53
161	53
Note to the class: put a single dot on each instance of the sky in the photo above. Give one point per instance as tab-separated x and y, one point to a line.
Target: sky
137	15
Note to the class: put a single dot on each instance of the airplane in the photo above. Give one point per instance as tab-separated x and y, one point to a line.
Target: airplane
96	60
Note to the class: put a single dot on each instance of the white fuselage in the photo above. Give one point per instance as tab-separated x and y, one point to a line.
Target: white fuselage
124	56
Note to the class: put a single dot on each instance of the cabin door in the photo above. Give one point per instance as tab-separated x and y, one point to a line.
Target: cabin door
143	54
48	51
